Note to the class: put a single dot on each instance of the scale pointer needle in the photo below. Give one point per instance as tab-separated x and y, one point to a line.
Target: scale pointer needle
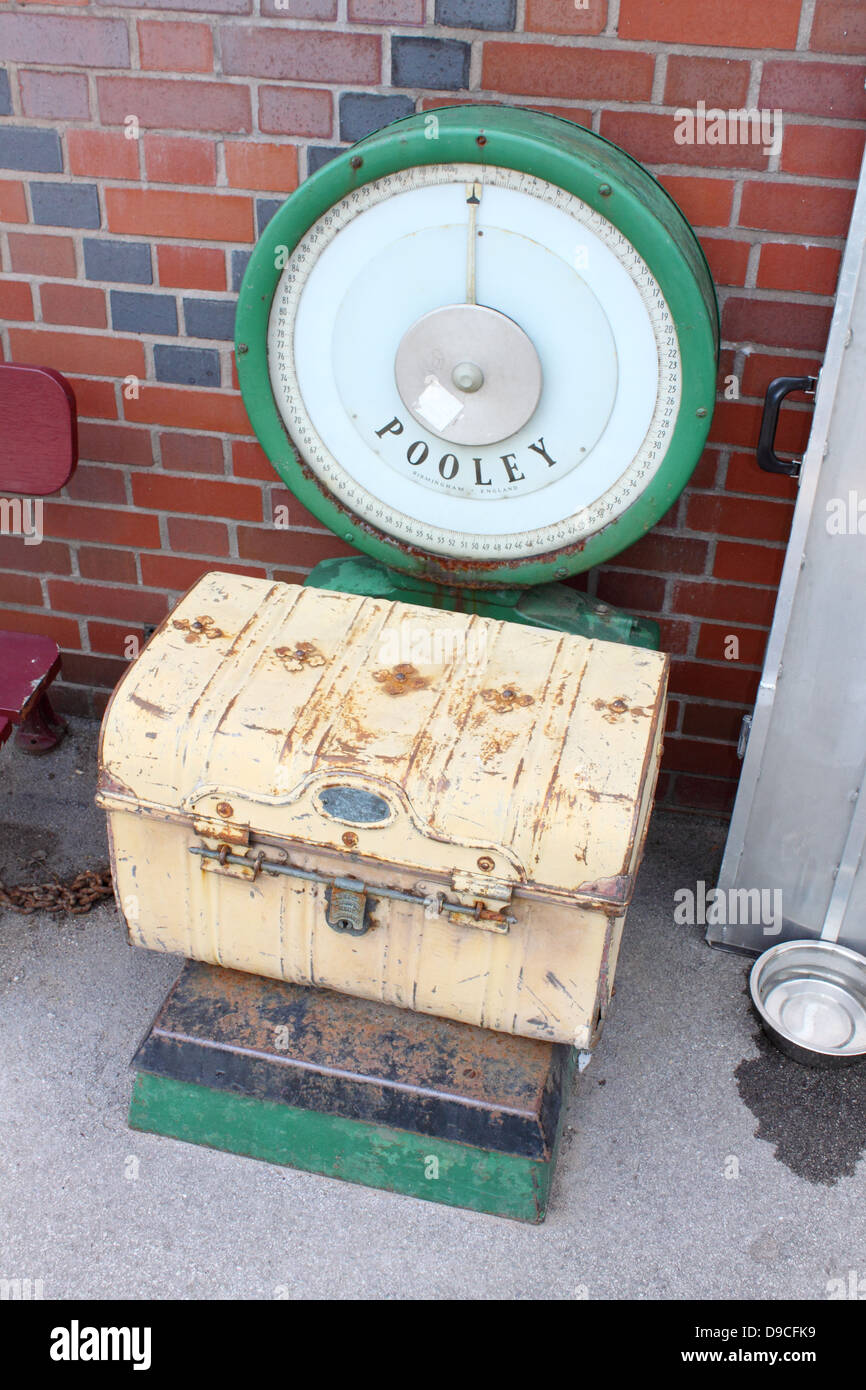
473	198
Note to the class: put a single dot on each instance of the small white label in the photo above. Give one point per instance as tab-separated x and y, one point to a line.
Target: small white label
438	406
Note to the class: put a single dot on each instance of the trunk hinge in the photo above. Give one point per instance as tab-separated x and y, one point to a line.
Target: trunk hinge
487	897
221	838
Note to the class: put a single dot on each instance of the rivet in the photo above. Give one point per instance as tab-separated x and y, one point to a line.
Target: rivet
485	863
561	573
242	348
356	161
481	139
605	190
350	839
225	810
701	414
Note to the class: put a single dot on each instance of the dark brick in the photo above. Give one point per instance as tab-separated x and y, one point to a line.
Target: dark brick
206	6
65	204
300	9
133	312
127	262
361	113
300	55
54	96
5	94
265	209
25	147
73	42
476	14
209	318
240	261
317	155
440	64
187	366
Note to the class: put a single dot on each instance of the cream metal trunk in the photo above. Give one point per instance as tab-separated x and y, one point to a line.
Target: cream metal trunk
439	811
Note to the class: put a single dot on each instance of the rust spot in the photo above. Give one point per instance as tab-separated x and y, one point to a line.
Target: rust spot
507	699
109	782
495	744
360	733
401	679
300	655
203	626
615	891
619	706
149	706
483	913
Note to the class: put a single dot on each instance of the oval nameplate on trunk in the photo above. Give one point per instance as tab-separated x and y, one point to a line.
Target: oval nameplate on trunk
354	804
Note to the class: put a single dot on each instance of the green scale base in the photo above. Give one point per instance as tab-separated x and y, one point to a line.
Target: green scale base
362	1091
353	1089
556	607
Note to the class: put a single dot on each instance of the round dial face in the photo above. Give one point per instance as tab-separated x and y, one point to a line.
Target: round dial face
477	354
474	359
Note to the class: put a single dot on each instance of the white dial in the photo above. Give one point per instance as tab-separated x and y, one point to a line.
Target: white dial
469	351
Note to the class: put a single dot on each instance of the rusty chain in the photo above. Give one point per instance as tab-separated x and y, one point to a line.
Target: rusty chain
75	895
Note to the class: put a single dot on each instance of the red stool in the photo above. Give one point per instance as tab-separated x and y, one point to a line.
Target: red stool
38	426
28	665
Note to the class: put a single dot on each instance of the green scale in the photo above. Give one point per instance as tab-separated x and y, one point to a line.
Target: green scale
480	346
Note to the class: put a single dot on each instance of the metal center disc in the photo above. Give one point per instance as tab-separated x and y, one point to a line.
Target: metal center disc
453	337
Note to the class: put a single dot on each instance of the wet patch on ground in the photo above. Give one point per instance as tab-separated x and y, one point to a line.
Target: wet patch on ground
815	1116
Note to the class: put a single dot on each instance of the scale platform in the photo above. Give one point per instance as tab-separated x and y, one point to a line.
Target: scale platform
353	1089
390	331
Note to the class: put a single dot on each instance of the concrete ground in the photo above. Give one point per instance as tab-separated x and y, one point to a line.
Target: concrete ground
663	1190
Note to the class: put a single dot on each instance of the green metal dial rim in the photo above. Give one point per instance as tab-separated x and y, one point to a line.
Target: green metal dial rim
582	163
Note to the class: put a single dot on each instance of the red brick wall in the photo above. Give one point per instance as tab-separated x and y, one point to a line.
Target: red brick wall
118	257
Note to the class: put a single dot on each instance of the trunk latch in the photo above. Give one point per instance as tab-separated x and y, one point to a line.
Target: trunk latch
348	907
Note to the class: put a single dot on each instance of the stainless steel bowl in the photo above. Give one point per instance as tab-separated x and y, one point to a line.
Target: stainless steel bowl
811	999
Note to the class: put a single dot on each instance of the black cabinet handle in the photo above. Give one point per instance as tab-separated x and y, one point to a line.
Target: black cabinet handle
777	390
